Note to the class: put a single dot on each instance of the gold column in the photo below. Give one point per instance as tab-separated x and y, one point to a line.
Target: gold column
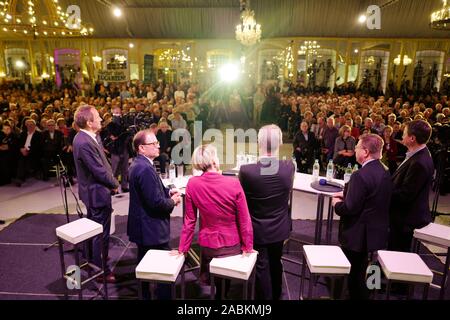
140	60
400	66
194	69
2	57
91	63
295	62
347	59
33	67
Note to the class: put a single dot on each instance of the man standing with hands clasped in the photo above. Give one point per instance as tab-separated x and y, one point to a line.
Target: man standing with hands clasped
150	204
95	179
363	208
412	183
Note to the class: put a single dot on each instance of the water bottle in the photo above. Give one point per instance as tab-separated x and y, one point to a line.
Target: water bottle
172	171
180	171
355	168
294	161
330	170
316	170
348	173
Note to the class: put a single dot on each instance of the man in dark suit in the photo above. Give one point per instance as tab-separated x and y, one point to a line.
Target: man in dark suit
150	203
164	137
30	144
412	181
267	186
95	178
305	146
364	212
52	145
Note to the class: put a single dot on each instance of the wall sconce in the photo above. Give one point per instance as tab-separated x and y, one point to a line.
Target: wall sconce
406	60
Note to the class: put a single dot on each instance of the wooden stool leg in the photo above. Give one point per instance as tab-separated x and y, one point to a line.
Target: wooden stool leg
302	279
77	262
410	291
174	293
311	281
253	284
245	296
139	282
105	286
212	287
388	289
182	281
425	291
63	267
222	291
344	286
444	276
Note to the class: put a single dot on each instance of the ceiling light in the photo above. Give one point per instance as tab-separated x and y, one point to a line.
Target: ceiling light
362	18
117	12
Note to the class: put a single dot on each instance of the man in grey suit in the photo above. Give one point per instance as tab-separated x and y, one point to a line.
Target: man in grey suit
95	178
267	186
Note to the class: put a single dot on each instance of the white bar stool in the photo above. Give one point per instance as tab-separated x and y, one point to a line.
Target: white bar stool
158	266
437	235
76	233
237	267
323	260
405	267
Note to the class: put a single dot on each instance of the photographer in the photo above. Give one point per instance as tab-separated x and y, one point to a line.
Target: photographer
118	147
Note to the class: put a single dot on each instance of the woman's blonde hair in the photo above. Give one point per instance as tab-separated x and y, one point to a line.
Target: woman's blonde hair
204	156
343	129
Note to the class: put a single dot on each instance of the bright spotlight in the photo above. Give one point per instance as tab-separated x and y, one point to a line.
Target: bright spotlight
362	18
229	72
20	64
117	12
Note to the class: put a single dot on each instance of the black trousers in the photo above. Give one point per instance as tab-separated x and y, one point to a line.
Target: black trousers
102	216
269	271
207	254
357	286
400	240
163	291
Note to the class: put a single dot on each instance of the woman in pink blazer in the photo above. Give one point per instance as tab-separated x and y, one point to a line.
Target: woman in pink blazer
225	223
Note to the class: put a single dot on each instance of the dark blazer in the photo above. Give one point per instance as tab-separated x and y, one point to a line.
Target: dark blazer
52	147
410	198
165	141
364	223
35	144
94	174
307	148
150	205
268	199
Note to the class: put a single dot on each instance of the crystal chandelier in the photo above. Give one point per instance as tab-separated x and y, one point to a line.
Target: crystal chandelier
43	18
309	47
249	32
440	20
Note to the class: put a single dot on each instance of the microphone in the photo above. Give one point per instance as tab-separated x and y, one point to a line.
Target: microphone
325	182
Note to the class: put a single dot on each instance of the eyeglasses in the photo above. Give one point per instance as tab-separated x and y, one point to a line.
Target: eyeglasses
155	143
